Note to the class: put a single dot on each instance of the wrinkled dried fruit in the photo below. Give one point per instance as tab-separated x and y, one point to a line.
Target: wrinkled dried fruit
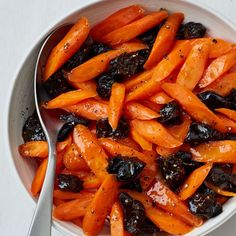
134	185
191	30
69	183
104	84
125	168
99	48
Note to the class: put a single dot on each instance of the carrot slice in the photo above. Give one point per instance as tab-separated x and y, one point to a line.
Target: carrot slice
61	146
68	195
90	109
131	46
90	181
116	104
230	124
87	85
194	66
160	98
39	177
164	40
165	152
135	28
218	151
34	149
78	222
170	202
223	85
117	220
163	220
75	208
155	133
220	191
91	150
194	181
117	20
231	114
73	159
193	106
135	110
129	142
217	68
153	106
67	47
100	206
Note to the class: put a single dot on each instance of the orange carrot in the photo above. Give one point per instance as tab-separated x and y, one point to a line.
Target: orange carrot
218	151
79	173
90	109
163	220
39	178
61	146
78	221
73	159
164	40
165	152
90	181
129	142
100	206
194	181
217	68
69	195
170	202
67	47
34	149
153	106
135	110
160	98
116	104
155	133
223	85
135	28
131	46
194	66
75	208
193	105
87	85
220	191
91	150
231	114
117	20
230	124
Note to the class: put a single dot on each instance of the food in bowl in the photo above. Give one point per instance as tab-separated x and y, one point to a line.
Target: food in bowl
148	140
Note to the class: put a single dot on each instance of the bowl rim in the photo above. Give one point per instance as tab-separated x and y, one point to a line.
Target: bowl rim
33	46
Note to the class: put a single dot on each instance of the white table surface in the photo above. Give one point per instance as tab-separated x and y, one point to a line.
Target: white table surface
22	21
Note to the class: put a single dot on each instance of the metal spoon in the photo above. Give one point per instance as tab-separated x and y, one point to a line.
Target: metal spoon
49	119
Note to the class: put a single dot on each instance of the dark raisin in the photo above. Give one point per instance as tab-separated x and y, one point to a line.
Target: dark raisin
191	30
99	48
69	183
125	168
200	133
171	114
57	84
222	176
128	64
214	100
232	96
230	136
204	204
104	130
70	122
104	84
135	220
134	185
32	129
172	170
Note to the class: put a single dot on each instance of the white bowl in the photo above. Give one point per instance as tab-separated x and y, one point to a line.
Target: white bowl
22	102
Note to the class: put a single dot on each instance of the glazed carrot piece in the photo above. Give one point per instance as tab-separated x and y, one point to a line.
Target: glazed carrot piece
160	98
217	68
231	114
57	201
134	110
144	144
229	124
193	106
91	150
164	40
194	66
59	162
73	159
87	85
218	152
69	99
34	149
39	177
131	46
67	47
220	191
116	104
170	202
223	85
61	146
78	221
68	195
234	169
135	28
79	173
90	181
117	220
153	106
100	206
168	64
117	20
129	142
194	181
165	152
155	133
90	109
163	220
75	208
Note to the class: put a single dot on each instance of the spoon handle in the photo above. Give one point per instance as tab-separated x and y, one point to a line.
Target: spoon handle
42	219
